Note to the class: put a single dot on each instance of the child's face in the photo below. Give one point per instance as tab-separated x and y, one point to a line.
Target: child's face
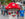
21	9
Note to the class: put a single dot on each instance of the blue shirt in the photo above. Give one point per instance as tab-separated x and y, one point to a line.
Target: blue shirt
21	11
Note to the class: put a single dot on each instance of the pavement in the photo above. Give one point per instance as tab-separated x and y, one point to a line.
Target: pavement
10	17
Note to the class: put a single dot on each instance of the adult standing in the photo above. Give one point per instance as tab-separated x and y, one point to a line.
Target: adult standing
2	8
5	11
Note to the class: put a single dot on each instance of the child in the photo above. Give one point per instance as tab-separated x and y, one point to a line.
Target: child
22	12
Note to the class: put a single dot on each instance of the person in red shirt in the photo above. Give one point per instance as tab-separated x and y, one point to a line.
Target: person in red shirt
17	12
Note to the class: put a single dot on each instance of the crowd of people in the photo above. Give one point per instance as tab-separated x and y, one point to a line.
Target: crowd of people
21	11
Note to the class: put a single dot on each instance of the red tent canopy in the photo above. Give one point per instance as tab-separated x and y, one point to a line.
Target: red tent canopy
12	5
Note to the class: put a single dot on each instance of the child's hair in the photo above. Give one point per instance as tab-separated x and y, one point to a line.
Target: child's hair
23	2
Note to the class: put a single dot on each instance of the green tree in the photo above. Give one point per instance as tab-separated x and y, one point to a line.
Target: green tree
8	1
